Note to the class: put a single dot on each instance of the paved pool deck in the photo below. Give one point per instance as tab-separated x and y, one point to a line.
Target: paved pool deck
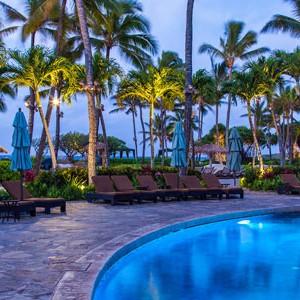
58	256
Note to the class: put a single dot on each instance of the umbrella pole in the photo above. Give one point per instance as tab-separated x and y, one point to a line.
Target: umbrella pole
22	196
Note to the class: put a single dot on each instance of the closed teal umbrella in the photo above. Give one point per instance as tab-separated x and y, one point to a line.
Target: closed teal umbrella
178	147
20	160
234	157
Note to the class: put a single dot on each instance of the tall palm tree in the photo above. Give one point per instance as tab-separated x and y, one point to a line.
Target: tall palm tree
233	46
155	85
285	23
189	89
5	89
38	17
106	73
202	81
129	105
90	85
218	91
248	86
120	24
36	68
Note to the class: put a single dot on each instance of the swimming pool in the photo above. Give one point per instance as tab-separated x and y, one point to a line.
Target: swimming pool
252	258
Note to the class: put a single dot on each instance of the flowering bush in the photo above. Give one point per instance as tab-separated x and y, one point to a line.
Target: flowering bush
146	170
269	174
29	175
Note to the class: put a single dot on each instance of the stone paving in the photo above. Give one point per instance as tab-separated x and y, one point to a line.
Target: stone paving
58	256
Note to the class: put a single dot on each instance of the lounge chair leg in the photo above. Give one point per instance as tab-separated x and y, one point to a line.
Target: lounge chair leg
32	213
47	210
63	208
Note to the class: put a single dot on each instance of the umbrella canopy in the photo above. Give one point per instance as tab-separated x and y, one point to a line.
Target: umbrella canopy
20	160
2	149
210	150
178	146
234	157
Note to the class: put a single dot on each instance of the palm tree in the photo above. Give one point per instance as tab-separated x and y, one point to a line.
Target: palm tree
40	14
155	84
233	46
36	68
248	86
218	90
285	23
202	81
119	24
89	86
189	89
5	89
106	73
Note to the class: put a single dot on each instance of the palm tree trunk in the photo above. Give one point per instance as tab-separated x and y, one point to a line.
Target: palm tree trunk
40	152
144	135
134	133
90	96
41	149
228	113
151	132
50	143
99	115
162	143
291	138
57	125
188	73
257	148
31	108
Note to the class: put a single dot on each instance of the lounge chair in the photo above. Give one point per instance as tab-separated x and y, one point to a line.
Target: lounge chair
27	207
147	182
291	183
13	188
212	181
123	184
224	173
175	183
104	190
195	189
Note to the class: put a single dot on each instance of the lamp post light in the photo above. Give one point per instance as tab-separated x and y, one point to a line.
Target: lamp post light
31	106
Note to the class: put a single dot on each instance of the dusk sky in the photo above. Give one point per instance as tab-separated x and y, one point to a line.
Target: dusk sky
167	19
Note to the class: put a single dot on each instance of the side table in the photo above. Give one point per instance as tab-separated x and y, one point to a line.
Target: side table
11	210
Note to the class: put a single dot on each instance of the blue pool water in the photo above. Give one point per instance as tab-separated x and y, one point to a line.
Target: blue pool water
252	258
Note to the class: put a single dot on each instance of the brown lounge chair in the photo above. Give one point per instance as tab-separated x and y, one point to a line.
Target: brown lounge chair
104	190
195	189
147	182
123	184
291	183
175	183
13	188
212	181
22	207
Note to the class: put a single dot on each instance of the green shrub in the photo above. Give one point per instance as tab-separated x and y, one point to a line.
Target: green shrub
72	192
6	173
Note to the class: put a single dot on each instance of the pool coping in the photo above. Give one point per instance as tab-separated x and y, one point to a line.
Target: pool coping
101	258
